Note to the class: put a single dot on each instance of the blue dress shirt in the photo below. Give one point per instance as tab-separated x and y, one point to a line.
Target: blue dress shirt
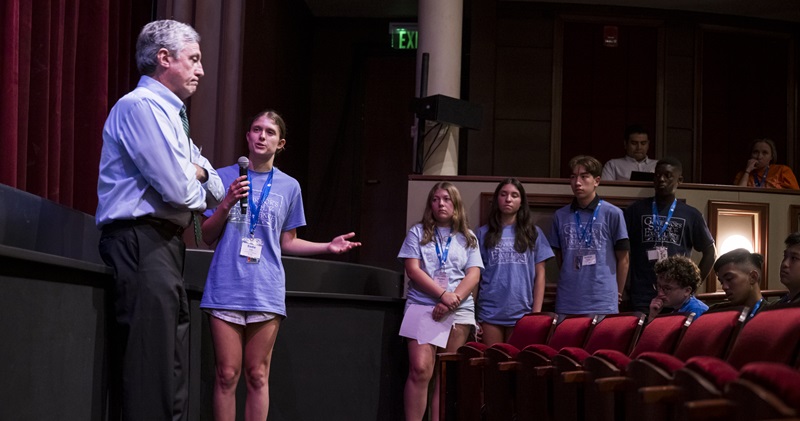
146	164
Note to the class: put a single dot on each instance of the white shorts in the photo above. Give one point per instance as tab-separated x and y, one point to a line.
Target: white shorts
239	317
464	315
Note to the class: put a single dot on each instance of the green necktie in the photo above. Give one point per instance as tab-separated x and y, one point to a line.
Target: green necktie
198	234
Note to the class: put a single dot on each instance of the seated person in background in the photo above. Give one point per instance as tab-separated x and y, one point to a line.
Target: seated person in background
677	279
590	242
635	159
761	171
740	273
790	269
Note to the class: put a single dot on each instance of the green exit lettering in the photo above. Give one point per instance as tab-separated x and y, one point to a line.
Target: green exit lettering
405	40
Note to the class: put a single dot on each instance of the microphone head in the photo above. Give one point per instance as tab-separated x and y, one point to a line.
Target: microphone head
243	162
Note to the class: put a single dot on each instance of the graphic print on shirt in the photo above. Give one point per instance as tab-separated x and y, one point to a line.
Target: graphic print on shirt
504	254
268	215
673	234
270	211
575	240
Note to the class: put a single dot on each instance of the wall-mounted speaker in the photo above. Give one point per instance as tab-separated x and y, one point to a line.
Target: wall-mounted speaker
449	110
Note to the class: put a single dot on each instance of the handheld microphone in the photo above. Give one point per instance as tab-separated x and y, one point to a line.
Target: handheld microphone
243	164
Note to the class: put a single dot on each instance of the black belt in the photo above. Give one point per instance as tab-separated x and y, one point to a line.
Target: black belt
158	223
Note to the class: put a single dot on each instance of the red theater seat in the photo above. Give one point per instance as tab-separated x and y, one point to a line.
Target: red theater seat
605	370
461	395
507	390
617	333
709	335
528	368
765	391
770	336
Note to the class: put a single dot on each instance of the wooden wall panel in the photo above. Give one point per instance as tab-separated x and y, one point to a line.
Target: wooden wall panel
679	144
744	96
525	31
605	88
524	84
679	92
482	46
522	148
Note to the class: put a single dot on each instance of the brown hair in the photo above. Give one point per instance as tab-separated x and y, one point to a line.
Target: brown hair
592	165
680	269
276	118
524	230
460	223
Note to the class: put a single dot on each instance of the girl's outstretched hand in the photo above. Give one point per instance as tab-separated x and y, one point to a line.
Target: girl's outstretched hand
341	243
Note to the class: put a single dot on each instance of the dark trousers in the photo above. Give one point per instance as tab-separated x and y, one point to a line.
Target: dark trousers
150	345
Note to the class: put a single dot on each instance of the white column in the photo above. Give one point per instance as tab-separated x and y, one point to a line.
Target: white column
439	24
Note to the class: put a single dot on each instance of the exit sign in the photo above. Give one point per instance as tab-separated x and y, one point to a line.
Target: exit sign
404	36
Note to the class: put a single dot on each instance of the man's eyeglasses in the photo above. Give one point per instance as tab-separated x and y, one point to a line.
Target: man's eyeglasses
666	289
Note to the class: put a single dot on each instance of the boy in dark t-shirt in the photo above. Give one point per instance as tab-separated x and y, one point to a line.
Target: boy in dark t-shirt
661	226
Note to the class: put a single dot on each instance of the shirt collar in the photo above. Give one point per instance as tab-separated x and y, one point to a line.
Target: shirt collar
685	304
646	160
162	91
574	206
789	298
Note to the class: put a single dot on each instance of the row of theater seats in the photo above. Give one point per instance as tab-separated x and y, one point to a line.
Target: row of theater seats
614	367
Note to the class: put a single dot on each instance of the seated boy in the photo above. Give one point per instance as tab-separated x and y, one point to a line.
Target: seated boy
677	279
740	273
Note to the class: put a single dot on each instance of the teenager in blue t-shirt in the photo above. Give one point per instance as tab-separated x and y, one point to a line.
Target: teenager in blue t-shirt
591	244
514	251
246	286
441	258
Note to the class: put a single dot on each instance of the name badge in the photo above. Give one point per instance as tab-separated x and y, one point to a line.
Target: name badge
251	249
441	278
657	254
585	260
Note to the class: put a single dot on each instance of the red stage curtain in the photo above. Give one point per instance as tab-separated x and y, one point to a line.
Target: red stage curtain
58	60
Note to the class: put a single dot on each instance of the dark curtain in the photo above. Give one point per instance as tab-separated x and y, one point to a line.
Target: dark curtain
62	61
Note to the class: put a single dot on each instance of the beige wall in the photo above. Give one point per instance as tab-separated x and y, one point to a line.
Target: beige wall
696	195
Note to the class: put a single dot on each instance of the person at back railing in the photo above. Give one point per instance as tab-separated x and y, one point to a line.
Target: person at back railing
635	160
761	170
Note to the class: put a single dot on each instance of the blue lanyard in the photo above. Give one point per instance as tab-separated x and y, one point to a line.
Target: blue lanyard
661	228
756	307
586	230
442	254
763	181
257	207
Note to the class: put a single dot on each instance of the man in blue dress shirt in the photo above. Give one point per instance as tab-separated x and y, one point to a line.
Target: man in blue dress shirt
152	181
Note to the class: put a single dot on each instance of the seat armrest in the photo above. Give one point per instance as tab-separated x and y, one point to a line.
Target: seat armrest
478	361
614	384
508	366
577	376
660	394
708	409
450	356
